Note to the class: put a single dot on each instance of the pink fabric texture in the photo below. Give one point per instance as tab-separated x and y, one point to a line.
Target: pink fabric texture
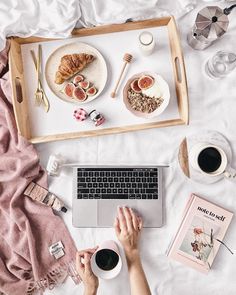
27	228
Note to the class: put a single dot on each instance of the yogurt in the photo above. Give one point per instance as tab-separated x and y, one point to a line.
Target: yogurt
153	91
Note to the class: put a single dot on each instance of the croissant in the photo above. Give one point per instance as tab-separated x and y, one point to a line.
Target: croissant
72	64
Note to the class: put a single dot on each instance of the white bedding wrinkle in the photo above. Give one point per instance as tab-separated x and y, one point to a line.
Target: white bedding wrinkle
57	18
44	18
106	11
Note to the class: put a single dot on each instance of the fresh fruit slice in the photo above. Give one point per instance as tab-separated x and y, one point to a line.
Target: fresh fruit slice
77	79
68	89
91	91
79	94
84	84
145	82
134	86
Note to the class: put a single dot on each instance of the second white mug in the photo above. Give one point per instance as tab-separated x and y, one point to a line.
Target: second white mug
210	160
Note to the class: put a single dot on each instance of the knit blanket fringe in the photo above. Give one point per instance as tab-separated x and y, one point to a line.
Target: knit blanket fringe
54	277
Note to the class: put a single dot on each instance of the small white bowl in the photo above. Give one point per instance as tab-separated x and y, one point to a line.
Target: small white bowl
164	89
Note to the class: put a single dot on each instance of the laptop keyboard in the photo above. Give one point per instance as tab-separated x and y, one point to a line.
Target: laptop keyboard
117	183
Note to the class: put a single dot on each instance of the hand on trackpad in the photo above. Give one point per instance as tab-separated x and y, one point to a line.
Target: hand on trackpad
107	210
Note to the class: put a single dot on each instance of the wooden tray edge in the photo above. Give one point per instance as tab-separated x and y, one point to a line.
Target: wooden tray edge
104	29
107	131
183	105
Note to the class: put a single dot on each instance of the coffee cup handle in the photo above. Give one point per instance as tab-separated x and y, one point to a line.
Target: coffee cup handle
230	173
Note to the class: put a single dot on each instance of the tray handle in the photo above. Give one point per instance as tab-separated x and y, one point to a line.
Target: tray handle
18	89
19	99
179	70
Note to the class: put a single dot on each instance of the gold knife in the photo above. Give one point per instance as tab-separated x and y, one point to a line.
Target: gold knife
45	98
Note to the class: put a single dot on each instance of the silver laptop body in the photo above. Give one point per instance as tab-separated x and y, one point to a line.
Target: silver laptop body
102	212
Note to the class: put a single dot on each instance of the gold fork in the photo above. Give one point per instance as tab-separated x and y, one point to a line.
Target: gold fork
38	93
44	96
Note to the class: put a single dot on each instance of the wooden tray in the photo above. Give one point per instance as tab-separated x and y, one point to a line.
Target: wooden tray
22	98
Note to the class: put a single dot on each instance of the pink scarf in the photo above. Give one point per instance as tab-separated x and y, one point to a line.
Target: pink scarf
27	228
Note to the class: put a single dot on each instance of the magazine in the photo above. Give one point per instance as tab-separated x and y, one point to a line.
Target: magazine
200	234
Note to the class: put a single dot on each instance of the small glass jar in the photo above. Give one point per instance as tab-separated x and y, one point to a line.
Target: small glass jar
97	118
221	64
146	43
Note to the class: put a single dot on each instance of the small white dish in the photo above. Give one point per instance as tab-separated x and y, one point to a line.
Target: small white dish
165	95
95	72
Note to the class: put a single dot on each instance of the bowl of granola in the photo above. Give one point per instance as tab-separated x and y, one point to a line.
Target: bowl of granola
146	95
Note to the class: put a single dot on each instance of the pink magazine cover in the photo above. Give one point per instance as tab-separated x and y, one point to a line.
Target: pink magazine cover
195	243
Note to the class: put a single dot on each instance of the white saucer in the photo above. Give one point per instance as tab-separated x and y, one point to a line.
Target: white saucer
208	137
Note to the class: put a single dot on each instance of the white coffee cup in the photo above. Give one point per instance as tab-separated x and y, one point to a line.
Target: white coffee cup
196	151
99	267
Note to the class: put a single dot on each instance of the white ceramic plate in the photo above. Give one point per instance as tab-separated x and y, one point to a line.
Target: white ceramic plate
95	72
165	95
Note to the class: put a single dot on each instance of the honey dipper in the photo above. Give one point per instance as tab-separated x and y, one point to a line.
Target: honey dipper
127	59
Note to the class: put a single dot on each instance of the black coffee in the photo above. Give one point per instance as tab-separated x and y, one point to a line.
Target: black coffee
209	160
106	259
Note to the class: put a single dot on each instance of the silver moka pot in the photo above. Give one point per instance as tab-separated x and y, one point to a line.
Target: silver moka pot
211	23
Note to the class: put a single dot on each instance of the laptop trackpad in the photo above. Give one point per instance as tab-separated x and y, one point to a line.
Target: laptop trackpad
107	210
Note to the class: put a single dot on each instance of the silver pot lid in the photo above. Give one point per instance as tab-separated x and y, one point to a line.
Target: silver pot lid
211	22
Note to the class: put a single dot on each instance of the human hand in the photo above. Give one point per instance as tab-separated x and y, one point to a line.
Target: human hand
85	272
128	228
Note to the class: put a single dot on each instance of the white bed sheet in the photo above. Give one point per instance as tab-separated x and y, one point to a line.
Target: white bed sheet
57	18
212	106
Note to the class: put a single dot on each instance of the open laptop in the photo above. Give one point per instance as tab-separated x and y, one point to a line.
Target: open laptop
98	190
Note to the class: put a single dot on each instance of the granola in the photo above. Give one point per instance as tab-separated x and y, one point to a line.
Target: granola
143	103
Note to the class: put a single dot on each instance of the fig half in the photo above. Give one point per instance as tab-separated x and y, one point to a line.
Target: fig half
134	86
84	84
145	82
79	94
91	91
68	89
77	79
